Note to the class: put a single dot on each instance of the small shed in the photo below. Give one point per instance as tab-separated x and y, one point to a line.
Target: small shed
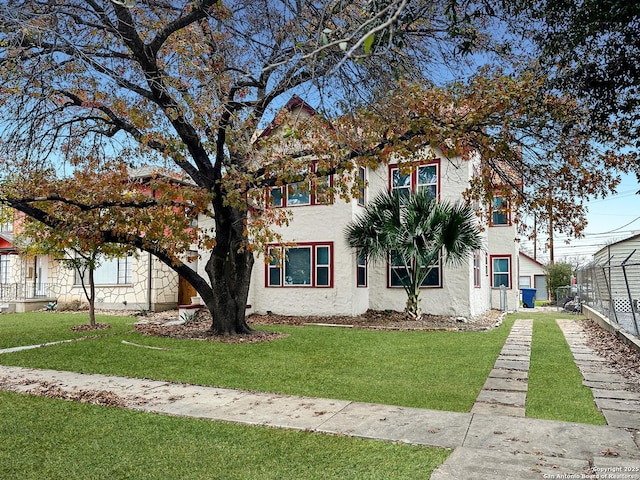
533	275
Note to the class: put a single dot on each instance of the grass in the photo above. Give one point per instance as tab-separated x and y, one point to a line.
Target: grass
555	389
37	327
59	439
441	370
437	370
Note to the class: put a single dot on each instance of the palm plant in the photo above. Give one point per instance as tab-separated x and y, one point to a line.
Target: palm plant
415	231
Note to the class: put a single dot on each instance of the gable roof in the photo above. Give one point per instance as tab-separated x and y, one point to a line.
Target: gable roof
293	103
632	237
531	259
6	243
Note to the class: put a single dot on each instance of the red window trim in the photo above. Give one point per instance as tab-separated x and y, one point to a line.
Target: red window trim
414	174
510	258
507	213
313	197
314	264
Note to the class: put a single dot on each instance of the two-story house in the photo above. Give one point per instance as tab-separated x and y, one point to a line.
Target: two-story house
312	271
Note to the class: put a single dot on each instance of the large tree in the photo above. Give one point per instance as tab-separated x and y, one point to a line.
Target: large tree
90	85
89	88
592	49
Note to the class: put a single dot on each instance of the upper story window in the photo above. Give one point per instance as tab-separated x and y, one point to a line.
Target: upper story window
315	191
304	265
362	190
500	211
417	178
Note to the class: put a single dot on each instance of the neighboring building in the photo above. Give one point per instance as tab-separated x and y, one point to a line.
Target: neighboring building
613	280
24	280
533	275
133	282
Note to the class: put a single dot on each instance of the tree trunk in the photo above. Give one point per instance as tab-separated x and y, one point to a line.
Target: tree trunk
229	270
413	309
92	299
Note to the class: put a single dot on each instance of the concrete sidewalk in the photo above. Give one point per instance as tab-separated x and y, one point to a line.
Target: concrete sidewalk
485	446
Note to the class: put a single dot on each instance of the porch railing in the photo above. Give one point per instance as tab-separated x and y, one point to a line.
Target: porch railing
23	291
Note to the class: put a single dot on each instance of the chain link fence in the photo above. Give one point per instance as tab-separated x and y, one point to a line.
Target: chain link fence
612	287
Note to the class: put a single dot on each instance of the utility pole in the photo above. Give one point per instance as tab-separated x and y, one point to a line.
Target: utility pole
550	213
535	237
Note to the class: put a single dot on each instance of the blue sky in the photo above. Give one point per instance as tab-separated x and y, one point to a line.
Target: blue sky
609	219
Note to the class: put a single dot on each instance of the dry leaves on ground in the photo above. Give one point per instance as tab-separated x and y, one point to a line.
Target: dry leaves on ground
622	357
199	326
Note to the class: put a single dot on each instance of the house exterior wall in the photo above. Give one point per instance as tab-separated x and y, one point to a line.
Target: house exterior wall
138	294
503	244
457	295
609	260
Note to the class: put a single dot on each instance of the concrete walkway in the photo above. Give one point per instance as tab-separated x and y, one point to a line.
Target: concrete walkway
505	391
486	444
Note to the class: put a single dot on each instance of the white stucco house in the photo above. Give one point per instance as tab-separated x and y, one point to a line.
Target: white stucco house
312	271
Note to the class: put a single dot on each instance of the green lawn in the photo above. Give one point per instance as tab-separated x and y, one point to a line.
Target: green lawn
45	438
33	328
438	370
555	389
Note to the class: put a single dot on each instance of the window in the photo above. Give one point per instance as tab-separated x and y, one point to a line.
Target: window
362	190
300	266
500	213
524	282
316	191
362	275
476	270
4	268
501	271
398	273
417	178
114	271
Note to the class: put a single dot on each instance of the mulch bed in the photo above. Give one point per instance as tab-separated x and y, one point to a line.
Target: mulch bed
621	357
198	328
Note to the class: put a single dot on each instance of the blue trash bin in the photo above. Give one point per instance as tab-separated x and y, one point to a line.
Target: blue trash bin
528	296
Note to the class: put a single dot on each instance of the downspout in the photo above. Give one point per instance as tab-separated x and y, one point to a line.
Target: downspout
150	275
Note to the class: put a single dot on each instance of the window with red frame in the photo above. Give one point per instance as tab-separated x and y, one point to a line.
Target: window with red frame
500	211
501	271
417	178
303	265
315	191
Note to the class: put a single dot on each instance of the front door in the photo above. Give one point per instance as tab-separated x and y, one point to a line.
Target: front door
185	292
42	274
